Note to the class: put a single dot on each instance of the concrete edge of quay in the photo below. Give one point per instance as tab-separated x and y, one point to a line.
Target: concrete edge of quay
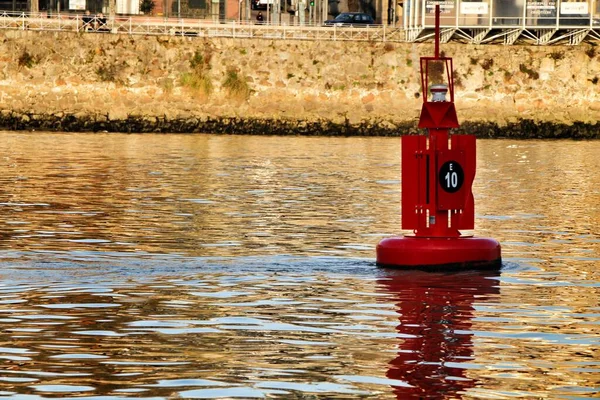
64	122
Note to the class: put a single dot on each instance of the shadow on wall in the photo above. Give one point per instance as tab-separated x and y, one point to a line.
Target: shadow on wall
339	6
368	7
334	8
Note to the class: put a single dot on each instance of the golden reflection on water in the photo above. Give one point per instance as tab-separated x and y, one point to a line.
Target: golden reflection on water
227	266
199	195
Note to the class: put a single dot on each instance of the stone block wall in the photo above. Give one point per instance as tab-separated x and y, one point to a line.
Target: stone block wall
104	77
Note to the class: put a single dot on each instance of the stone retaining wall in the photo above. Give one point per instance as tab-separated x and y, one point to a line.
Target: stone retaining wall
91	82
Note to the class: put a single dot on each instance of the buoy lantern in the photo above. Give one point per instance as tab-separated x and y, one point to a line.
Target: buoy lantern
438	170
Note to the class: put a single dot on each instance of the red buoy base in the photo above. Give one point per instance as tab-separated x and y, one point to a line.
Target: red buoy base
420	252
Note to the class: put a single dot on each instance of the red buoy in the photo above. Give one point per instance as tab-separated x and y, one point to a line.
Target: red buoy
438	170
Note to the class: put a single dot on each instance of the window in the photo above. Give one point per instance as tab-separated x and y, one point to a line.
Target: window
198	4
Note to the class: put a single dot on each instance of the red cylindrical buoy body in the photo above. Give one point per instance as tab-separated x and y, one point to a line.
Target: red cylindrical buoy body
439	252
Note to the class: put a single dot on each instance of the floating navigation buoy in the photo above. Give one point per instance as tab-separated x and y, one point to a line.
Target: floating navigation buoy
438	170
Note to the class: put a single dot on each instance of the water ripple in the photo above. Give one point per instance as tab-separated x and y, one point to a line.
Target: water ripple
161	266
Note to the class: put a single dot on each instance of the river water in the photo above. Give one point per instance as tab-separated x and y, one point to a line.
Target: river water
199	266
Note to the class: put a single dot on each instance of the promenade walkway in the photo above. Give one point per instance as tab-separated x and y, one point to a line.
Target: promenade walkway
196	28
467	22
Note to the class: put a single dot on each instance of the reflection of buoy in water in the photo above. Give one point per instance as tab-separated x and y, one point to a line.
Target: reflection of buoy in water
437	175
435	330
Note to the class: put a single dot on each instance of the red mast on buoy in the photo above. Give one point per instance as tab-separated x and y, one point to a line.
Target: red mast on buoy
438	170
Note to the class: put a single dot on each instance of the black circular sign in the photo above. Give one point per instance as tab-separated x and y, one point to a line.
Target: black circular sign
451	176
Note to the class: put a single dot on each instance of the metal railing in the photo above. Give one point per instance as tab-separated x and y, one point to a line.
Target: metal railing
195	28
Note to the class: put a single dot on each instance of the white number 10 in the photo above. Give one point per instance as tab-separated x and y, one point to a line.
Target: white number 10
451	179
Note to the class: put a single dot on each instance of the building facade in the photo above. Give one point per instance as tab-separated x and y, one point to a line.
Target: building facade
217	10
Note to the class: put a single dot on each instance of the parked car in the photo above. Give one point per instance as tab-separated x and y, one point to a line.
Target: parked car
351	19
